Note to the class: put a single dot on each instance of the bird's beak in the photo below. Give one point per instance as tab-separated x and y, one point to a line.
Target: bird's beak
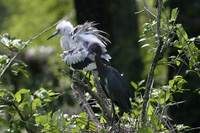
88	54
55	34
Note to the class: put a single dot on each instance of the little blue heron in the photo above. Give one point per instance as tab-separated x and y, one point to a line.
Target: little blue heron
111	80
75	41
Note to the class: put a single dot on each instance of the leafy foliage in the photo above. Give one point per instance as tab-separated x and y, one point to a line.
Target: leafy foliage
26	109
11	46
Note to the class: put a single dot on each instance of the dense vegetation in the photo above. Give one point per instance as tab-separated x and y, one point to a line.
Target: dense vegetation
36	96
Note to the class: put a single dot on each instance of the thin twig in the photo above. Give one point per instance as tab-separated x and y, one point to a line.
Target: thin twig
26	44
140	11
155	17
195	128
149	16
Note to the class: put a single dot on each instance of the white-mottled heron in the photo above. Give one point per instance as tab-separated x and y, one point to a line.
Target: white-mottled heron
75	42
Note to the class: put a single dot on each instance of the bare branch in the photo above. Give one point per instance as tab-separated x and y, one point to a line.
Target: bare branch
79	96
156	18
100	98
26	44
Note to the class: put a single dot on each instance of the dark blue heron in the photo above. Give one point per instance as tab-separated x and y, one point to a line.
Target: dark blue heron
75	42
111	80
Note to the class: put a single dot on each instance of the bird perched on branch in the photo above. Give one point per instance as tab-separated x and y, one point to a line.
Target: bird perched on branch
75	41
111	80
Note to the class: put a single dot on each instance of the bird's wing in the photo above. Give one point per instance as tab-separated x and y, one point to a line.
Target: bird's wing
118	89
76	59
87	32
74	56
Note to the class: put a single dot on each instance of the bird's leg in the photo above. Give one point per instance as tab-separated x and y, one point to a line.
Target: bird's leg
113	113
119	123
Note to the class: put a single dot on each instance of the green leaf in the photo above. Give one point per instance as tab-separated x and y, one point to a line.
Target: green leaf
180	83
174	14
134	85
42	119
142	39
83	115
145	129
25	73
4	123
141	82
181	127
28	98
164	96
183	61
26	110
150	110
176	44
182	35
146	45
177	62
102	120
59	120
18	94
76	129
36	102
171	83
41	93
154	121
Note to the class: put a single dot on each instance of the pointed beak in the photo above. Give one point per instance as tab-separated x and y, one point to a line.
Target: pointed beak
55	34
88	54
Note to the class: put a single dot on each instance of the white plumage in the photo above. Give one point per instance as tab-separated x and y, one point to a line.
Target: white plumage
75	42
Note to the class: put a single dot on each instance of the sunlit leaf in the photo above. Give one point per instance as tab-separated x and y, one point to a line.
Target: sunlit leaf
174	14
181	127
41	119
145	129
145	45
134	85
35	102
150	110
142	39
182	35
18	94
154	121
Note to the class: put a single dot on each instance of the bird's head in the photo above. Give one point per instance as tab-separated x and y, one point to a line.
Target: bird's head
63	28
94	49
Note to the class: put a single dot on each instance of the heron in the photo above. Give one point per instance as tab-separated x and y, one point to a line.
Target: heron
75	41
113	84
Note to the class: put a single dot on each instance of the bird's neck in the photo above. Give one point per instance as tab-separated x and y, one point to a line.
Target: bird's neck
102	69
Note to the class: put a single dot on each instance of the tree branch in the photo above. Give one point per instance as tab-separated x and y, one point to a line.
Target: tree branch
100	97
103	99
19	112
26	44
79	96
152	68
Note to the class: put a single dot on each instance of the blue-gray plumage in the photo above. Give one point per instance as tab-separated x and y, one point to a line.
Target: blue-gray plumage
111	80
